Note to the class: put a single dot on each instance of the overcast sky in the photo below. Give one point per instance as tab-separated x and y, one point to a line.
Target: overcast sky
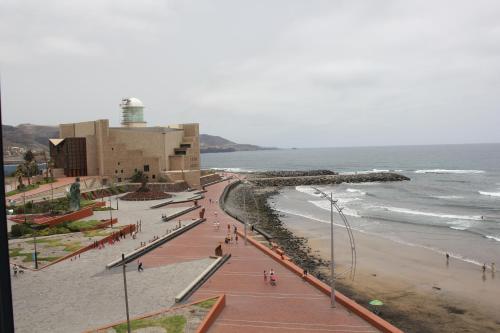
278	73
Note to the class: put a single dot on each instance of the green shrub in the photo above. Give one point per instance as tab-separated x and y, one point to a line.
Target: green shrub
19	230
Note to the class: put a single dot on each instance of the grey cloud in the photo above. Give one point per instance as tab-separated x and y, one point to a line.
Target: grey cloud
283	73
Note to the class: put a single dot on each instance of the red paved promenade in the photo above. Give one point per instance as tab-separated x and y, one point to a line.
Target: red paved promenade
251	304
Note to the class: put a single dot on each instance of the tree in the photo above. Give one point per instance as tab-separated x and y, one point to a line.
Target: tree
19	173
28	168
140	177
29	156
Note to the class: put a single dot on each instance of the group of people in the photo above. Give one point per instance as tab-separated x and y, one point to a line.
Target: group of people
16	269
492	268
484	267
229	236
273	279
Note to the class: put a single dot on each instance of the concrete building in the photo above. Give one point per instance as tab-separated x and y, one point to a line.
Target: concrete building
164	153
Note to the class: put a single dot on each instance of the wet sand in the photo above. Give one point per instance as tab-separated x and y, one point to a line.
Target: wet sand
412	281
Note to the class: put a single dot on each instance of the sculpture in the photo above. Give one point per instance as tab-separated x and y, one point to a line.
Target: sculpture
74	195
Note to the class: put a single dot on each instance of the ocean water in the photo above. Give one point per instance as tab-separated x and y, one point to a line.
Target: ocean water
451	204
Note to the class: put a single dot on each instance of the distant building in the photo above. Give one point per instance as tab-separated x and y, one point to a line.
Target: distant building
94	149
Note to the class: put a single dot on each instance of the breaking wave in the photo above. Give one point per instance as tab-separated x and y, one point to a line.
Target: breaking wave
493	237
448	171
354	190
440	215
323	204
491	194
448	197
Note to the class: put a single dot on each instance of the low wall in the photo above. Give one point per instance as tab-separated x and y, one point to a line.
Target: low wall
212	315
49	221
160	187
210	179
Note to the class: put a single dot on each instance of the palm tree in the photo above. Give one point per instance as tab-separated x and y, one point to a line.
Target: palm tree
19	173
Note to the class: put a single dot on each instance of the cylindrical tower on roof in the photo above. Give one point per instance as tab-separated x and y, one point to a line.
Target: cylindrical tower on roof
132	112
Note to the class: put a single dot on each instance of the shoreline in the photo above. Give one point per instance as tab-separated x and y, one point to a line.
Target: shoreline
421	293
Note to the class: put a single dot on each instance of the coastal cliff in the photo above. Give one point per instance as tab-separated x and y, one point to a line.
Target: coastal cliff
326	179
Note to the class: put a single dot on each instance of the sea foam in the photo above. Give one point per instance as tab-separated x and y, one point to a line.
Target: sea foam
493	237
354	190
307	190
448	171
440	215
448	197
491	194
323	204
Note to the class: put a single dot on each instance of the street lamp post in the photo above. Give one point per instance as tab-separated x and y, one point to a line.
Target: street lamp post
332	263
332	257
110	214
34	242
126	294
246	216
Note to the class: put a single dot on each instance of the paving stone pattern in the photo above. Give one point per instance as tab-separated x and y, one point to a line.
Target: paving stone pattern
78	295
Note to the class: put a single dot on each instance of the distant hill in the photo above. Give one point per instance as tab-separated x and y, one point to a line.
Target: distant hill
217	144
36	137
28	136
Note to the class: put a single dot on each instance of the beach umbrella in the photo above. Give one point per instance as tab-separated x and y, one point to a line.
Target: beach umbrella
376	302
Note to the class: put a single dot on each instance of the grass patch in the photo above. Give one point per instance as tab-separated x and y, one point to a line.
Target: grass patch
55	242
172	324
207	304
82	225
17	253
103	209
96	233
24	189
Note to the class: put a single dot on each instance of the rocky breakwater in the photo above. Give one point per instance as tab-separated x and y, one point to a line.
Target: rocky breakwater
295	173
328	179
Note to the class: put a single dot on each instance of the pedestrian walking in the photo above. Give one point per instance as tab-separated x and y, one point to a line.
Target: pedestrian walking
484	268
139	268
265	276
236	238
273	279
15	270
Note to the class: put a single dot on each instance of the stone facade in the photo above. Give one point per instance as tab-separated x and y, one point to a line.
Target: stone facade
115	153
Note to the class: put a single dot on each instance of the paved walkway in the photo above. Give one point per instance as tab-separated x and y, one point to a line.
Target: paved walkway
253	305
73	296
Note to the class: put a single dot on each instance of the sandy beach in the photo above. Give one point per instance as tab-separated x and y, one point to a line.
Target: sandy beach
413	281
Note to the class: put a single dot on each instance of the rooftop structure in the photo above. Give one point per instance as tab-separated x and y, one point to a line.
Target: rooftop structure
132	112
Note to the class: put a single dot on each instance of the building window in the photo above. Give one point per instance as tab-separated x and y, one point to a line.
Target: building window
119	180
118	163
112	148
116	171
135	170
154	176
121	171
146	168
